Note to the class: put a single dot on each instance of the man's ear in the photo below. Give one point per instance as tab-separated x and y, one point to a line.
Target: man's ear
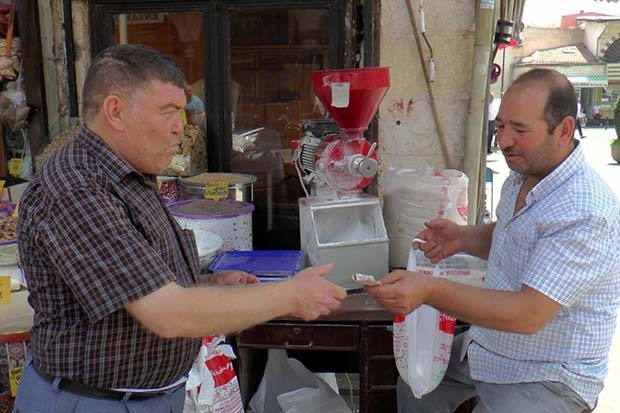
113	110
566	129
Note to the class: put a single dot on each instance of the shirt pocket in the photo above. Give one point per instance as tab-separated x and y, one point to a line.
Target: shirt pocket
517	250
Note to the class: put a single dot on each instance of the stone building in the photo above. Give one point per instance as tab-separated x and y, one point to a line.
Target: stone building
589	54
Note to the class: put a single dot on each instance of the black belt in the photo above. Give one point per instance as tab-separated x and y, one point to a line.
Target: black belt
97	393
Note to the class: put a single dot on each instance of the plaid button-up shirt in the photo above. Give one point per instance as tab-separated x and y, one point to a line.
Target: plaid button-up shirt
95	235
563	243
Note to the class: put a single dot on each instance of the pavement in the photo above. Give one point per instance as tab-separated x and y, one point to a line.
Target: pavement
598	154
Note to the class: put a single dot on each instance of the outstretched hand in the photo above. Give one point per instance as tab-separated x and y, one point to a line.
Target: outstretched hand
401	291
313	295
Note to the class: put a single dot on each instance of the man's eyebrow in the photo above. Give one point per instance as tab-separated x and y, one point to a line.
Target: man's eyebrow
170	106
512	122
519	124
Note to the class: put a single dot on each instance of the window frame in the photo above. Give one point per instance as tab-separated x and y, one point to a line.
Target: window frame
217	49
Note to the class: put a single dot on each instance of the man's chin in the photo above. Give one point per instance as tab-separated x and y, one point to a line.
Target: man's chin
517	168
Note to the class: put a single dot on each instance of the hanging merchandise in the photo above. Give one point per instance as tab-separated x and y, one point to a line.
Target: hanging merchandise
13	108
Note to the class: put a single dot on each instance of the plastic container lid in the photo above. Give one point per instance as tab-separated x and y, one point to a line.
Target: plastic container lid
262	263
210	209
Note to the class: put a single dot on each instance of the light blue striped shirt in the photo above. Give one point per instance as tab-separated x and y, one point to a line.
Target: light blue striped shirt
564	243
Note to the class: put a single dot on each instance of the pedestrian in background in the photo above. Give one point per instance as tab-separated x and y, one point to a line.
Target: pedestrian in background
492	114
596	114
194	107
578	120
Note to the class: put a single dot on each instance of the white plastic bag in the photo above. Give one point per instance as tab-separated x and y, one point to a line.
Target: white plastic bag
461	268
414	196
288	386
422	345
212	385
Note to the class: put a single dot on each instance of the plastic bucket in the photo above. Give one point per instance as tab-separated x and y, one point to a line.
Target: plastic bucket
230	219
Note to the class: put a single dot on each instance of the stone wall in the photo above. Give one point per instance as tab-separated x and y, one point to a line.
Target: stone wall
408	136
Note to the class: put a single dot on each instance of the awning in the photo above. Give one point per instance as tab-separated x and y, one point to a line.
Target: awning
588	80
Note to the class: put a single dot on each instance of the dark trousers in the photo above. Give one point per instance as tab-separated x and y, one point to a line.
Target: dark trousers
578	123
36	395
490	134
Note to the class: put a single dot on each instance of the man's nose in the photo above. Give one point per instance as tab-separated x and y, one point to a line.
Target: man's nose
504	138
177	123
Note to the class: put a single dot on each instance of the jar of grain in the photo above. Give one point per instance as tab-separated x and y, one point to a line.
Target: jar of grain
240	186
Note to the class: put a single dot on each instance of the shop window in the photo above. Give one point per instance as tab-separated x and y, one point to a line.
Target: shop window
251	65
273	54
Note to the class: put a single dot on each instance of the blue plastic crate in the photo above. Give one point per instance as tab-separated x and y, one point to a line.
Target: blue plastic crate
262	263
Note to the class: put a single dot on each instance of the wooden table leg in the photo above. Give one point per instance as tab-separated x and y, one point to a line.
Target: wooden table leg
364	384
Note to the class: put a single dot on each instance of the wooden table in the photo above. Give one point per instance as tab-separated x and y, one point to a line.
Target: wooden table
356	338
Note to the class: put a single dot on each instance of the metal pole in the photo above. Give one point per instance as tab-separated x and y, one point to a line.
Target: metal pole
479	91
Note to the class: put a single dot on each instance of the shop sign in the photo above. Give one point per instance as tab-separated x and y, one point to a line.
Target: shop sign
142	18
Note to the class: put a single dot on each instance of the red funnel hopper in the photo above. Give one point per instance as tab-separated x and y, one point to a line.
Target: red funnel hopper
352	95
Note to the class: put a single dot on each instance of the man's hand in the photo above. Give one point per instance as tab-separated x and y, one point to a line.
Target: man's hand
313	295
229	278
401	291
443	239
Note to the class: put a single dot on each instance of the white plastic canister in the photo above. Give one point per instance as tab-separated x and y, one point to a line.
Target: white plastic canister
230	219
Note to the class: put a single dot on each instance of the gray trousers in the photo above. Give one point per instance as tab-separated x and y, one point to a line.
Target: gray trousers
457	386
35	395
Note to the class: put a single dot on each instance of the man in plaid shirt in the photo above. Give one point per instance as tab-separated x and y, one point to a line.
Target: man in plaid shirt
113	279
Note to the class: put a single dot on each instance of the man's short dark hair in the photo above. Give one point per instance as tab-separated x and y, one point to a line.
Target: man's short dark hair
561	101
122	69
